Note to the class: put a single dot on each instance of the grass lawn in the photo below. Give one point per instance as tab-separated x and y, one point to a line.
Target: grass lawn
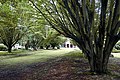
116	53
29	57
63	64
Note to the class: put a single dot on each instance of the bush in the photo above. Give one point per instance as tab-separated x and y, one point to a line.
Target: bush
117	46
115	51
3	47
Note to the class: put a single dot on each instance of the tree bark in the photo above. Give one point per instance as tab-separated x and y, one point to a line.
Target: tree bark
41	47
9	49
27	45
98	64
47	47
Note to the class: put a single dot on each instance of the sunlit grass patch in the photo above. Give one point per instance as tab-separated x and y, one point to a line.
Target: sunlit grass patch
75	54
2	53
116	51
25	58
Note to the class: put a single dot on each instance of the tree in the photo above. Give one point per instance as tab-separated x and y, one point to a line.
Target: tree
37	32
43	36
40	34
12	27
53	39
92	24
55	42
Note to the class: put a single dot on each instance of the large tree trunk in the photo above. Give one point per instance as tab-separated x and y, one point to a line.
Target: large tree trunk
9	49
98	63
97	66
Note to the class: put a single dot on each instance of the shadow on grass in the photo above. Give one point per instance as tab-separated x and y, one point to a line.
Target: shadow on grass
6	55
72	66
15	55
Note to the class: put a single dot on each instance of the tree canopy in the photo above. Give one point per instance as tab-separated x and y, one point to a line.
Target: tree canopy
13	21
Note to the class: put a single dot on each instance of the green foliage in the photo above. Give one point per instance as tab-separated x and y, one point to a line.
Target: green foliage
117	46
55	42
115	51
54	39
43	35
9	30
13	21
3	47
13	53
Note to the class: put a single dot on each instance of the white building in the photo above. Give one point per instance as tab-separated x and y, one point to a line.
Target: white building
68	44
17	46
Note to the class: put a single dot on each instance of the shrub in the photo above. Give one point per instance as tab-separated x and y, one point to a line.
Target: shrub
115	51
117	46
3	47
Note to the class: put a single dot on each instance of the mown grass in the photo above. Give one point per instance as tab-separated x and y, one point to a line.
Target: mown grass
75	54
21	59
2	53
116	51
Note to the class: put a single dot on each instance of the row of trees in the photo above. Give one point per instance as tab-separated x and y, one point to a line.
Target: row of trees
20	22
43	37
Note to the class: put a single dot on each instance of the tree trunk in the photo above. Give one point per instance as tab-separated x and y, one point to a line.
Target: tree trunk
47	47
41	47
98	64
9	49
27	45
34	47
